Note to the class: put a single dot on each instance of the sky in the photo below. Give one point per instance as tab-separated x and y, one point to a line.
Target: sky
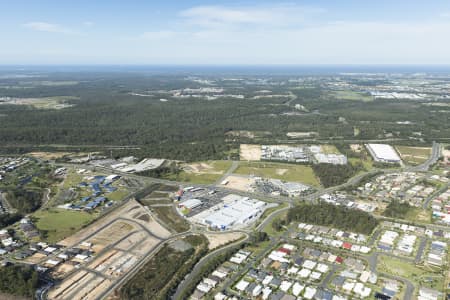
194	32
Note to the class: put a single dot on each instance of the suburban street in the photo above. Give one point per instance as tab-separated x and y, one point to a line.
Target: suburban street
372	259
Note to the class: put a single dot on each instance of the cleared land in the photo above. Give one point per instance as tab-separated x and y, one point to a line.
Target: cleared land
49	155
423	276
287	172
241	183
414	155
352	95
300	134
131	210
220	239
59	223
170	217
119	240
160	276
247	134
201	172
250	152
57	102
329	149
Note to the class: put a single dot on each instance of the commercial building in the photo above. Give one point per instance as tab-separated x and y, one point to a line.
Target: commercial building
234	211
190	204
335	159
383	153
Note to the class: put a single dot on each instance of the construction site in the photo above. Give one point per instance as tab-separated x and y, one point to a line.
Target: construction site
111	247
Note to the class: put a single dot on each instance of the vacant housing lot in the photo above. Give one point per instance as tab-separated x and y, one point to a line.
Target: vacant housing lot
414	155
118	242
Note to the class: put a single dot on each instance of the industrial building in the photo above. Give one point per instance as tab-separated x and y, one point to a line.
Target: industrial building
235	210
276	186
190	204
335	159
383	153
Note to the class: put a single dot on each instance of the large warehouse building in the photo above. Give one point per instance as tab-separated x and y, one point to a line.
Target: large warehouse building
236	210
383	153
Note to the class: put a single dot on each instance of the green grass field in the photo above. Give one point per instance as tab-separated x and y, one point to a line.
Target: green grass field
72	179
269	228
193	178
117	195
414	155
351	95
330	149
367	163
424	276
287	172
60	223
201	172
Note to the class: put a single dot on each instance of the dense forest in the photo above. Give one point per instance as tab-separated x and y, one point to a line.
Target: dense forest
8	219
331	175
18	280
334	216
159	278
106	114
396	209
25	201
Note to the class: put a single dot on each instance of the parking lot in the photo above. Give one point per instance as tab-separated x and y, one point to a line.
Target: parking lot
208	197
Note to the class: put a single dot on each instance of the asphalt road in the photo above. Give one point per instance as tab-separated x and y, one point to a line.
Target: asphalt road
421	249
435	154
409	292
352	181
230	171
372	260
198	267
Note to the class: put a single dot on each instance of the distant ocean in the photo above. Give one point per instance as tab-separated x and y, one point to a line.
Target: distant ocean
234	69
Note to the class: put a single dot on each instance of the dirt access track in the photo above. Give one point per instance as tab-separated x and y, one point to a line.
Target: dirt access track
119	240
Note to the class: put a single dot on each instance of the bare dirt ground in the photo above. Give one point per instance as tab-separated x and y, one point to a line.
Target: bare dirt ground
36	258
62	269
241	133
250	152
131	210
200	168
446	154
120	240
49	155
239	182
281	171
217	240
356	148
300	134
110	233
423	216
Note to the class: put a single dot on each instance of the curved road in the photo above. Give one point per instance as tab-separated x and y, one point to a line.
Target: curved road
352	181
197	268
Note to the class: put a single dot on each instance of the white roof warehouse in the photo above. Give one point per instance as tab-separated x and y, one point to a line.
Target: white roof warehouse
239	211
383	153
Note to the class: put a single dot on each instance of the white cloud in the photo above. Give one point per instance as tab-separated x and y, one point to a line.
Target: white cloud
343	42
277	15
47	27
